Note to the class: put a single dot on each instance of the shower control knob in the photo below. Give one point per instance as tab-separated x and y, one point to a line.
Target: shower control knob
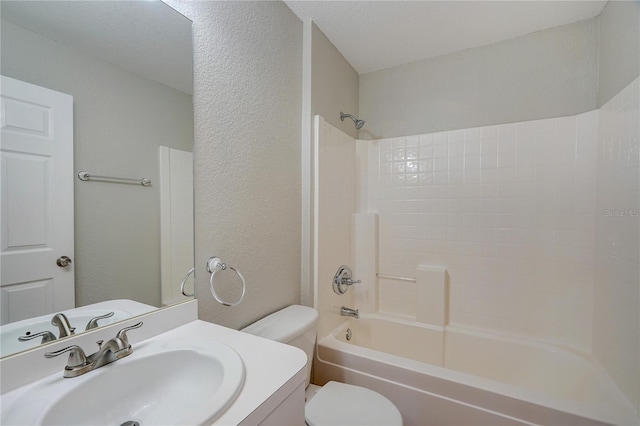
342	280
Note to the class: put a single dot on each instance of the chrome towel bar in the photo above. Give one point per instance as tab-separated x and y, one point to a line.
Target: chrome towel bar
85	176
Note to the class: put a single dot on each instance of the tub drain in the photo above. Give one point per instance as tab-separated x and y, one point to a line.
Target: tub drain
348	334
130	423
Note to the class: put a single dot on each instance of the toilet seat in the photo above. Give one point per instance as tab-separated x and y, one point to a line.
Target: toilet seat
343	404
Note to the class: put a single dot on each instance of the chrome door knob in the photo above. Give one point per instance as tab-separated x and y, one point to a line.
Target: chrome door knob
63	261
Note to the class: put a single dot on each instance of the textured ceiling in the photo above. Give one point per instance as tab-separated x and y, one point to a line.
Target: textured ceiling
374	35
148	38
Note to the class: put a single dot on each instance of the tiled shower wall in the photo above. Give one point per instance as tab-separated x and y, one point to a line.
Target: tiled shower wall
509	210
537	224
616	329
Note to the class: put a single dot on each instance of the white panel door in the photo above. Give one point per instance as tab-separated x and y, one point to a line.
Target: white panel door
36	208
176	223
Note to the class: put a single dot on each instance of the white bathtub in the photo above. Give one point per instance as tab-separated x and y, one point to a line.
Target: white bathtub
463	376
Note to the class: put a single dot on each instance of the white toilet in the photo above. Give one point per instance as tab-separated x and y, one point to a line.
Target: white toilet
335	403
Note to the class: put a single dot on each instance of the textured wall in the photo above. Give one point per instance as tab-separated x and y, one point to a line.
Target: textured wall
248	91
619	61
120	119
549	73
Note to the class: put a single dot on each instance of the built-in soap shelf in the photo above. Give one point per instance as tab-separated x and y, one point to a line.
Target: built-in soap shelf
423	295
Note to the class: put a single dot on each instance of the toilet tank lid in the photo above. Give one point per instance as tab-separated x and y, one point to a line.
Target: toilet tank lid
285	324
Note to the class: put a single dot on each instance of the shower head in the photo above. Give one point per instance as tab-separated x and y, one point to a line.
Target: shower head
359	123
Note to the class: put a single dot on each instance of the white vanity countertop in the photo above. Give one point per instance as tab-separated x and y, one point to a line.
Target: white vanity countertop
272	370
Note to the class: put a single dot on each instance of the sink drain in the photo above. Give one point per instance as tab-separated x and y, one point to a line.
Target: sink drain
130	423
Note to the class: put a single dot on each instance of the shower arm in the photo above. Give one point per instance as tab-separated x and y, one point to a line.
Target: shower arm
358	123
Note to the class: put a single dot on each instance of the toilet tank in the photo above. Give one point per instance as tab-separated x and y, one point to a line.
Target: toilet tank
294	325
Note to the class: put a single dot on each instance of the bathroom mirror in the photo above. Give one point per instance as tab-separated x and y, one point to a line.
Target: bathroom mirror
128	67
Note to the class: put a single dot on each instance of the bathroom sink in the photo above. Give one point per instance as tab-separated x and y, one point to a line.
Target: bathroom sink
164	382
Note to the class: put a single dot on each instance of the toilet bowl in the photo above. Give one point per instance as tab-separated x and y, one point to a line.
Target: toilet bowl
335	403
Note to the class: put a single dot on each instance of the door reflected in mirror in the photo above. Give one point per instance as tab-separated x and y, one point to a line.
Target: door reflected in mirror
103	88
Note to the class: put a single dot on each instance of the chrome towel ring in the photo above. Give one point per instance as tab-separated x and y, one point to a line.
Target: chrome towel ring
184	281
214	264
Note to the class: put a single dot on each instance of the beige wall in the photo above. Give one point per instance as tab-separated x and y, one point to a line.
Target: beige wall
334	84
544	74
619	61
247	100
120	119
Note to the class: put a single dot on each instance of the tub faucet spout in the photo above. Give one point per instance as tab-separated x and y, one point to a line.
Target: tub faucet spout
348	312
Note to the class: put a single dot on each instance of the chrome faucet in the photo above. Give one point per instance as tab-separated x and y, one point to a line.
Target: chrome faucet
114	349
64	327
348	312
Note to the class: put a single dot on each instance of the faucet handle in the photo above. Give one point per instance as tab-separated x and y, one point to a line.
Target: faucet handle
47	336
122	334
343	279
77	358
93	322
